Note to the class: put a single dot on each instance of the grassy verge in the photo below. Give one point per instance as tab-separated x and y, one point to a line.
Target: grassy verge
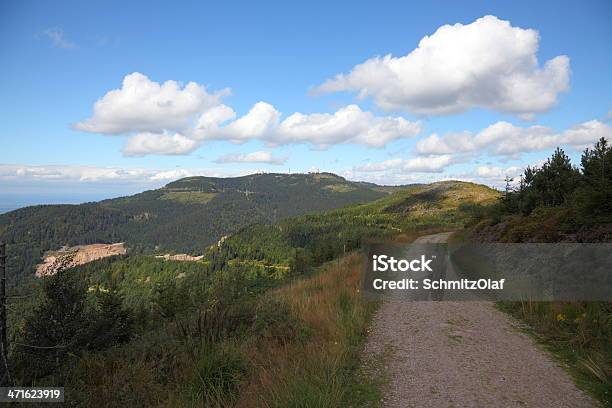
320	367
577	334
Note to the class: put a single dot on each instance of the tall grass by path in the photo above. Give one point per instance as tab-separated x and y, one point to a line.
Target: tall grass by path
321	368
579	334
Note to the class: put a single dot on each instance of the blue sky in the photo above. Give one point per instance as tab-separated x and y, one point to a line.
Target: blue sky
59	58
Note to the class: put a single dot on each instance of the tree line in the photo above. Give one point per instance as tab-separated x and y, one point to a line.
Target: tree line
585	190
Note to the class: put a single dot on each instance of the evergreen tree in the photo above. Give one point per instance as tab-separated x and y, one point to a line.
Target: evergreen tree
549	186
594	197
557	180
114	324
58	327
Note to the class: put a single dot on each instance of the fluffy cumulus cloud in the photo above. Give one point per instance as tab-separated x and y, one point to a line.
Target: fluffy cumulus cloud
488	63
254	157
154	143
494	172
170	118
349	124
432	164
142	105
257	123
503	138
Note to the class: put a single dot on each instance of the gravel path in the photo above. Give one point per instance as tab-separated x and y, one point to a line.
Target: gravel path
464	354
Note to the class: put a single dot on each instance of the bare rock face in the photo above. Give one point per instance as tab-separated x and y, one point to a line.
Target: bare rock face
69	257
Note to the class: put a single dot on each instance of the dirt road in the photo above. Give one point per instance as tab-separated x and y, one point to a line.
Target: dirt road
464	354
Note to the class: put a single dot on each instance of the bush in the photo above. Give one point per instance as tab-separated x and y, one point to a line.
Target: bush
65	323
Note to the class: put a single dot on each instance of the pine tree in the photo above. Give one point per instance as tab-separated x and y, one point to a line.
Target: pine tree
594	197
58	327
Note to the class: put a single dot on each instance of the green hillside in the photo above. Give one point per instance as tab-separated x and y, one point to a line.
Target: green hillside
186	216
317	238
265	253
217	320
270	252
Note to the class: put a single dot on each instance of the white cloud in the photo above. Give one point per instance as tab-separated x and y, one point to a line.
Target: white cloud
381	166
142	105
56	35
503	138
258	123
494	172
393	177
172	119
449	143
586	134
153	143
347	125
489	175
495	176
20	173
69	173
432	164
488	63
254	157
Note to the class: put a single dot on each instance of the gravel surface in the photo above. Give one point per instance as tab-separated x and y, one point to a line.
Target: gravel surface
464	354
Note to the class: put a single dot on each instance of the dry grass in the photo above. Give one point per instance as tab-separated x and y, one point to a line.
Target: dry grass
315	370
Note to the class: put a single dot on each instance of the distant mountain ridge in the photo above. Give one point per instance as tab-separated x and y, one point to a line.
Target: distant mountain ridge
186	215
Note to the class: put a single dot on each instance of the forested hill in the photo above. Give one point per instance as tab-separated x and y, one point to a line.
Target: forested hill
184	216
316	238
